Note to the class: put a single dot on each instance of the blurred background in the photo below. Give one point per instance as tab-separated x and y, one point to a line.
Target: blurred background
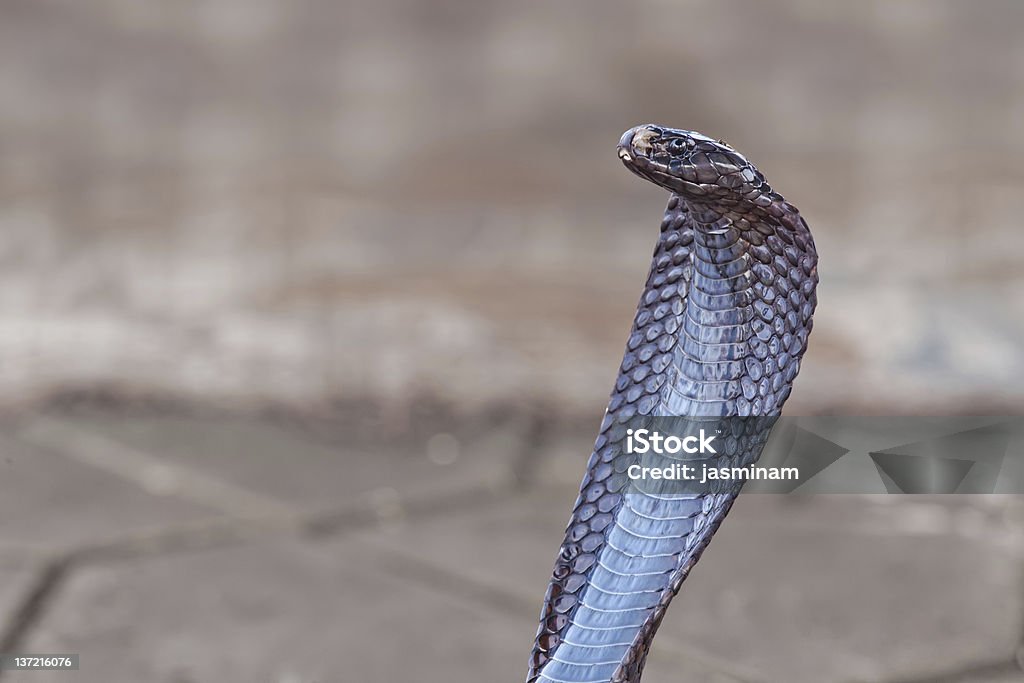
309	312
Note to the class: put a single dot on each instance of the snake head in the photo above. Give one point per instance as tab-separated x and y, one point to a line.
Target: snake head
690	164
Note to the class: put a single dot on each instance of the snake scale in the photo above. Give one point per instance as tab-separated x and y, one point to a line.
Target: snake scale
719	333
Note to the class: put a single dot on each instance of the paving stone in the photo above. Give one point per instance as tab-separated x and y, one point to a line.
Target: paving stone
49	502
510	544
817	602
288	466
18	574
510	547
277	612
288	611
829	588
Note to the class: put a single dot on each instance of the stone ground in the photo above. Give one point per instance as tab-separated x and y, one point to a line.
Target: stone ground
170	546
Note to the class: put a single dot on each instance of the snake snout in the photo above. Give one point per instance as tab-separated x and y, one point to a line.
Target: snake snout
638	142
625	147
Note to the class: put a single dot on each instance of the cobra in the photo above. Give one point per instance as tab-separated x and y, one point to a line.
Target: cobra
719	332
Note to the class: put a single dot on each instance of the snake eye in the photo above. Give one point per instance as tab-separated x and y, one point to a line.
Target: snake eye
677	145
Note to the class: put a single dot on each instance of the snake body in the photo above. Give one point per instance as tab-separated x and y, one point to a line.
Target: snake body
719	333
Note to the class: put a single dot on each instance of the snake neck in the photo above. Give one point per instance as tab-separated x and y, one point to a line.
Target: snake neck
750	296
